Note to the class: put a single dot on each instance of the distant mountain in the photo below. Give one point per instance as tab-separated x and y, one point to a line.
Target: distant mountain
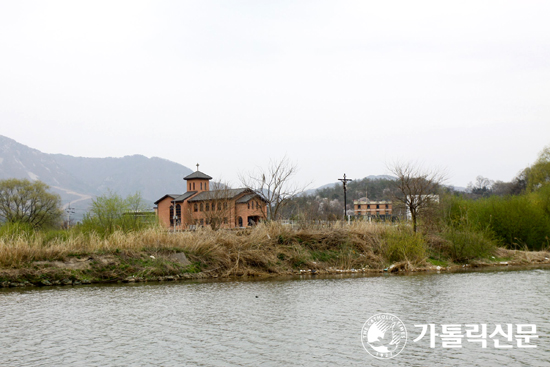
77	179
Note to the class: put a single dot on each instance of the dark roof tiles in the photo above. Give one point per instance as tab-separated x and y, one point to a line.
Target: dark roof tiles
246	198
165	196
217	194
197	175
181	198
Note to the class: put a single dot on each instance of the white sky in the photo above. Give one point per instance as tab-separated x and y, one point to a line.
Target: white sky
337	86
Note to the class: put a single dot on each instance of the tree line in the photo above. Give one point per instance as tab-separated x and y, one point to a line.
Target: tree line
485	204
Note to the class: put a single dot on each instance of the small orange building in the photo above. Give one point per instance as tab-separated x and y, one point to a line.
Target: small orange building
370	208
199	206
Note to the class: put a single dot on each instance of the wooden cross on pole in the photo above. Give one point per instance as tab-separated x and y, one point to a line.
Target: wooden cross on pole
345	183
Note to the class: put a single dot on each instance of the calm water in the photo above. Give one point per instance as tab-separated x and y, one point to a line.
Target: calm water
290	322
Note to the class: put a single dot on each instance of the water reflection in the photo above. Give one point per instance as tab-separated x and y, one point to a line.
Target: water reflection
277	322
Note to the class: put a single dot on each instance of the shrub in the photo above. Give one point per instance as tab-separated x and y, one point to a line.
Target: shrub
110	213
403	244
466	243
516	221
16	229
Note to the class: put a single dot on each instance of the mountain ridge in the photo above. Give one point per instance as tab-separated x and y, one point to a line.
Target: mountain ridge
79	179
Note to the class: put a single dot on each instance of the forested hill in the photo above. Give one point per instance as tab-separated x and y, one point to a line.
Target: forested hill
78	179
374	187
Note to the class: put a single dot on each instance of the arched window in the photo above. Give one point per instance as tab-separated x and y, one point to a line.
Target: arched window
171	215
240	222
196	207
202	208
219	206
207	205
178	211
193	186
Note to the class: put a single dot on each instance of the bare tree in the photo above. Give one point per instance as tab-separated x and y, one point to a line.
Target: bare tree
218	209
415	187
482	187
274	184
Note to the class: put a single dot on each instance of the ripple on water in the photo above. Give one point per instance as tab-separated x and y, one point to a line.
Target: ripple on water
308	322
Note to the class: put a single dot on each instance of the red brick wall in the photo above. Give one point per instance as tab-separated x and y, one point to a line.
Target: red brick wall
195	185
163	211
254	207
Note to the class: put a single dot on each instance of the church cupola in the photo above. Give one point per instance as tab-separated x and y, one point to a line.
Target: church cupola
198	181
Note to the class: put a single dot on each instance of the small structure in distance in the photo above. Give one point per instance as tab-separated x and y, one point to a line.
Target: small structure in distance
370	208
222	207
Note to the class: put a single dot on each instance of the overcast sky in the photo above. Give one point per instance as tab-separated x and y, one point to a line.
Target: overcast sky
337	86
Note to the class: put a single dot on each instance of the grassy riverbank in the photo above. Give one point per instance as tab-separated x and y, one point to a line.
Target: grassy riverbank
70	257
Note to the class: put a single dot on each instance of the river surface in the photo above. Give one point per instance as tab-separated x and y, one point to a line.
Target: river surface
275	322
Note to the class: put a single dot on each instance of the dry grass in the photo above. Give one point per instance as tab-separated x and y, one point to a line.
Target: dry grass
270	247
519	257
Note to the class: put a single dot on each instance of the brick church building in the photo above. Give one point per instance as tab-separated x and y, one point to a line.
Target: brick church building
199	206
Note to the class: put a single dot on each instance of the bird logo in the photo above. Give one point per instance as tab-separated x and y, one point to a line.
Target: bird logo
384	336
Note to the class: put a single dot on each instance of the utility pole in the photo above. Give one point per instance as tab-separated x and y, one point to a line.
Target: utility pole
345	183
69	211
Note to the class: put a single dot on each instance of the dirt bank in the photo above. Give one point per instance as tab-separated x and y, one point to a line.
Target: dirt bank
148	266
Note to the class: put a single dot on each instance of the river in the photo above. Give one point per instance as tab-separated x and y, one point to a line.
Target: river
307	321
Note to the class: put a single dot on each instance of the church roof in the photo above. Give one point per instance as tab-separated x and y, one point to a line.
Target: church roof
165	196
197	175
181	198
178	198
247	198
217	194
